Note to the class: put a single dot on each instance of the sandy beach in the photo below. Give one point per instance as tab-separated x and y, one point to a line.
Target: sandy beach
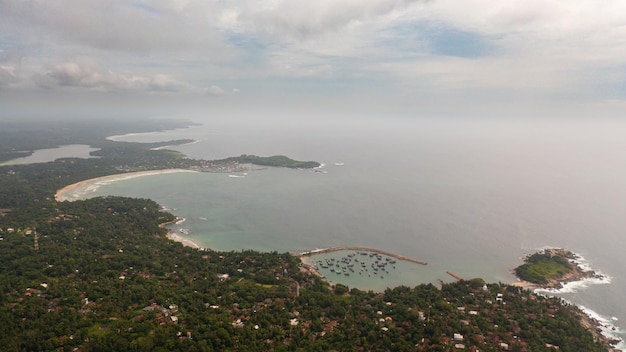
185	241
524	284
62	194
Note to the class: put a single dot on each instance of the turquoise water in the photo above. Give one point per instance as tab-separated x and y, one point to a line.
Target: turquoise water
471	196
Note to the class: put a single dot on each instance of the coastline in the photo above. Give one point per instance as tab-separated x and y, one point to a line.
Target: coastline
602	331
185	241
61	194
171	235
595	326
597	329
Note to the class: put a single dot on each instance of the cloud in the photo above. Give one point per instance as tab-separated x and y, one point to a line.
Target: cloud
7	75
214	90
129	26
539	48
302	18
86	73
10	62
165	83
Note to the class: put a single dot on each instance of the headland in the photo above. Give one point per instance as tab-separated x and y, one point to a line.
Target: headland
551	269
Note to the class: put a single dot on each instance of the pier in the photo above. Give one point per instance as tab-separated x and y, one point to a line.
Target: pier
455	275
362	249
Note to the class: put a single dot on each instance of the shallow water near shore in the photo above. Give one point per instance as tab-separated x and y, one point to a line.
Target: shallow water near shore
468	196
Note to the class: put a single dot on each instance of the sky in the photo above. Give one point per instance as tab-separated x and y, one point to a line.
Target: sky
413	57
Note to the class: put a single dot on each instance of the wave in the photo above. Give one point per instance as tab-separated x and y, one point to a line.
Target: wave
607	328
606	325
575	286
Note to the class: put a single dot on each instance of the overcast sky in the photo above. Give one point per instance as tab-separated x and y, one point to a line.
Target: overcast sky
416	56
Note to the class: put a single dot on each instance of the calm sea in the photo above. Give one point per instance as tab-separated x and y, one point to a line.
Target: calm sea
472	196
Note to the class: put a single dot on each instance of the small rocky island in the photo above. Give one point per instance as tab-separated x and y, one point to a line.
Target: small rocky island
551	268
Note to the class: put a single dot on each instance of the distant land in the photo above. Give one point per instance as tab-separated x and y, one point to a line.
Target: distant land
276	160
101	275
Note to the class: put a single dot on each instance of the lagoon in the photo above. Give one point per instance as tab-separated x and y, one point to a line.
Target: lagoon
52	154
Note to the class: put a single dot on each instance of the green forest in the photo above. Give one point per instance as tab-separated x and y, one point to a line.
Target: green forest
101	275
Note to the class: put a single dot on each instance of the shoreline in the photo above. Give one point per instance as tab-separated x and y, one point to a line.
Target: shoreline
60	194
185	241
602	332
596	327
171	235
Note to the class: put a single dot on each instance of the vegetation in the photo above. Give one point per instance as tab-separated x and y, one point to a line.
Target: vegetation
100	275
276	160
20	139
541	268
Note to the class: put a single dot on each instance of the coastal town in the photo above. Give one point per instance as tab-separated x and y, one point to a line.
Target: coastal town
101	273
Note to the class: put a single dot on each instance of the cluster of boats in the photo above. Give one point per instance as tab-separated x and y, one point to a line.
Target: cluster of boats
361	263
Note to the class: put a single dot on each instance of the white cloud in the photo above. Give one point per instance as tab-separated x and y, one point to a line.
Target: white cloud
545	47
214	90
165	83
9	65
160	26
302	18
7	75
86	73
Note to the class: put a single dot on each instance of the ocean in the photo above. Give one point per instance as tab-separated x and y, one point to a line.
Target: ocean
467	195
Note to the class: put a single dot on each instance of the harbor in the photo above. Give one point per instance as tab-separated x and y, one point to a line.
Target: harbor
360	249
361	267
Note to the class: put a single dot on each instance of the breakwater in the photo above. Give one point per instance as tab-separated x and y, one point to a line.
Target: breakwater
361	249
454	275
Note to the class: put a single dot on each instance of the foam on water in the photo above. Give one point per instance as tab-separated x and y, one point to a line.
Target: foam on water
607	327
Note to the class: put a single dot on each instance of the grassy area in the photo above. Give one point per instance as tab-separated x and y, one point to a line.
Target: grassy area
541	268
